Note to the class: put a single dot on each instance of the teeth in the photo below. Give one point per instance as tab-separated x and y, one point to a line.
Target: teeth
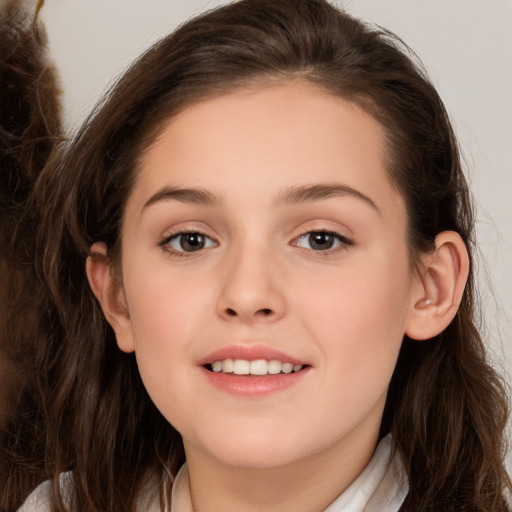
274	367
217	366
227	365
241	367
287	368
257	367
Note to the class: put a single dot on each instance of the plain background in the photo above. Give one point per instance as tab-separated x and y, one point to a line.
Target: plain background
466	45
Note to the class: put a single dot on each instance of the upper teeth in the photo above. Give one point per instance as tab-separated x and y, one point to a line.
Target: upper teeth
257	367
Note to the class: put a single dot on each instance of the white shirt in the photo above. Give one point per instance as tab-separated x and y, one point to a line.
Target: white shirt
382	486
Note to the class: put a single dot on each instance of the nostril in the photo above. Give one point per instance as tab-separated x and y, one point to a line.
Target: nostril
231	312
266	311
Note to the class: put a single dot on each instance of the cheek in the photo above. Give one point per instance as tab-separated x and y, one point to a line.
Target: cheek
358	326
165	306
164	326
166	314
358	316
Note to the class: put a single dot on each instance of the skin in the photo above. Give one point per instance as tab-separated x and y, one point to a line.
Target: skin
343	310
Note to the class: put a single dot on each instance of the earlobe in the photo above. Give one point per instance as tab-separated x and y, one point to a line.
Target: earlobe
437	296
110	295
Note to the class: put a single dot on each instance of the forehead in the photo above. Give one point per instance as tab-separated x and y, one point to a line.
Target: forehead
266	137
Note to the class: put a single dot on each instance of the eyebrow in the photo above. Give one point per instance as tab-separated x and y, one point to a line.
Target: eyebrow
308	193
294	195
185	195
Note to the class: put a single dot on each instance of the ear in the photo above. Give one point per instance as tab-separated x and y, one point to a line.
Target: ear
438	292
110	294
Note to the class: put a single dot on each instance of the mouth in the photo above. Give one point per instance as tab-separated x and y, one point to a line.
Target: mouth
253	370
257	367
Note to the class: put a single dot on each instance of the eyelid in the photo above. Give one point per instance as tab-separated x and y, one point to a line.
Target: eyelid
324	225
344	241
164	243
185	227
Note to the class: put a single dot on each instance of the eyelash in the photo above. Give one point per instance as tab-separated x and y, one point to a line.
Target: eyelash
165	243
343	242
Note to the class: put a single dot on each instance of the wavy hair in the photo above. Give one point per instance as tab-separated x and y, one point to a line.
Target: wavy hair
30	126
446	406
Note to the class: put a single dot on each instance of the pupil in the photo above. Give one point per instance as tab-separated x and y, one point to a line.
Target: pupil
192	242
321	241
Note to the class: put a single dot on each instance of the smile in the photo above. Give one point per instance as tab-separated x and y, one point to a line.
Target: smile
253	370
257	367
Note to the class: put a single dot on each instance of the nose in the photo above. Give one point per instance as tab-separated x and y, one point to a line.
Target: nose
251	290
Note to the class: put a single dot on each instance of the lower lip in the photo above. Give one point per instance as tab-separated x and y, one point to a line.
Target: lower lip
253	386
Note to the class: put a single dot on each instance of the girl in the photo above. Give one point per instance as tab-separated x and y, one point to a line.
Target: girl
258	287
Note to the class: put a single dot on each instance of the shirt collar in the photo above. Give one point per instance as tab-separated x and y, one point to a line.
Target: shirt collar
382	485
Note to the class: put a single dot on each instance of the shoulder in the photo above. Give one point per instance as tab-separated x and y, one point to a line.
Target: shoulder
40	499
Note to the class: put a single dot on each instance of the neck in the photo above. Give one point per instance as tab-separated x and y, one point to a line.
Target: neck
310	483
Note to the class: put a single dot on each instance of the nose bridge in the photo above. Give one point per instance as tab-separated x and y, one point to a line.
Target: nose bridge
250	289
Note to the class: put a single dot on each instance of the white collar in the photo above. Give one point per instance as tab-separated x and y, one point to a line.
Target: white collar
381	486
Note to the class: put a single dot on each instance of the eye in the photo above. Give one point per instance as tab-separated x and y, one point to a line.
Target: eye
188	242
322	241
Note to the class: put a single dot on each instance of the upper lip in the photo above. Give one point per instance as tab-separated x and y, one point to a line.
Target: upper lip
249	353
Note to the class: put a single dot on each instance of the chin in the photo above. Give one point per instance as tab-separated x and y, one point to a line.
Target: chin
257	458
258	449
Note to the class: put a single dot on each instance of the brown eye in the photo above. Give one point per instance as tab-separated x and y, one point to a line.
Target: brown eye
322	241
188	242
191	242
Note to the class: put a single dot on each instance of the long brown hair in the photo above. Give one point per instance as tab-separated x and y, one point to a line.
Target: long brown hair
446	406
30	126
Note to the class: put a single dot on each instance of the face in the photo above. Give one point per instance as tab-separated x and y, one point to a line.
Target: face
266	278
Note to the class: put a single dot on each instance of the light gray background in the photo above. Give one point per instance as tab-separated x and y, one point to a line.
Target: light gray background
466	46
